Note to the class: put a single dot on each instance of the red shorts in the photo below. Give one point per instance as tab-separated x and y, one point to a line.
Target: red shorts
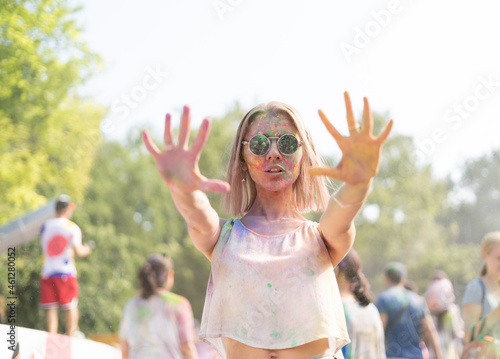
59	291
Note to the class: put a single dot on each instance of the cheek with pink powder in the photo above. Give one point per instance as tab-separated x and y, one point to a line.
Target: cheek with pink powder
257	165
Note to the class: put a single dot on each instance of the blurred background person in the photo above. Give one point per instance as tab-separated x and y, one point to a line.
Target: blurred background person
412	286
362	317
482	294
405	317
158	323
61	240
486	344
440	298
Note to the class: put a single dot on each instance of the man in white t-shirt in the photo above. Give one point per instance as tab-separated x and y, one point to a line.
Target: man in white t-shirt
61	239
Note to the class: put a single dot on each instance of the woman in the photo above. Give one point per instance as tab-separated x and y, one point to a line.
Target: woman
486	344
157	324
440	298
482	294
363	319
272	291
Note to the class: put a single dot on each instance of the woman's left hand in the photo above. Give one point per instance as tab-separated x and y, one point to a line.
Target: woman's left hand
360	151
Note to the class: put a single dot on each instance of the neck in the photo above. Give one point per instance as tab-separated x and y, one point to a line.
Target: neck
274	205
344	288
400	285
492	279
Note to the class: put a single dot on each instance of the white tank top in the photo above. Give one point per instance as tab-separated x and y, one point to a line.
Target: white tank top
272	292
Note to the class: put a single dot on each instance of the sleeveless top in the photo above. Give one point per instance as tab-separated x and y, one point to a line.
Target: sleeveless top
157	327
272	291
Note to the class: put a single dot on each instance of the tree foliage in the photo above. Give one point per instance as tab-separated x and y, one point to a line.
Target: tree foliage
402	221
129	213
49	134
477	196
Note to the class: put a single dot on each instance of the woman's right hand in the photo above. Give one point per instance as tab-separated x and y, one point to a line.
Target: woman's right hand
178	164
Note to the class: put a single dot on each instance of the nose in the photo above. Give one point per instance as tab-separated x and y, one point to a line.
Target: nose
273	153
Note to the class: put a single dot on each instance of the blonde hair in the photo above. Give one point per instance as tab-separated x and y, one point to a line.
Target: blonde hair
490	240
311	192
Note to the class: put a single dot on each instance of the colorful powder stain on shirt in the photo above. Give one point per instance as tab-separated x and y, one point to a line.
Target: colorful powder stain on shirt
172	298
276	335
156	327
281	296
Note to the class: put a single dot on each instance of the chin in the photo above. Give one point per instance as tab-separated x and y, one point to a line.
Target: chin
274	186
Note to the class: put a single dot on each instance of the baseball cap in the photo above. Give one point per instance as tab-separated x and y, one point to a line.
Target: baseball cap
63	201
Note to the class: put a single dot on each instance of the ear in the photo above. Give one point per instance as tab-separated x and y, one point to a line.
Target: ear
244	166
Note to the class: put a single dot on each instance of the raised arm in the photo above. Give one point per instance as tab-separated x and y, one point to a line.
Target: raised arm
359	164
430	336
178	166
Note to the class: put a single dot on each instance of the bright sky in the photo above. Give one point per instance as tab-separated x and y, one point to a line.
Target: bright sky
434	66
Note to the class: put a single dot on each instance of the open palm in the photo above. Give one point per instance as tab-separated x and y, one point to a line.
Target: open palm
360	151
178	164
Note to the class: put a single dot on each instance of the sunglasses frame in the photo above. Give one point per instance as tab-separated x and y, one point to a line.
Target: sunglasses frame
270	143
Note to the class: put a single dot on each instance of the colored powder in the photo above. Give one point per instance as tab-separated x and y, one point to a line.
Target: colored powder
276	335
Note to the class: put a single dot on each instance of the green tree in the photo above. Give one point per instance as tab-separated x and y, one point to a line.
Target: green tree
401	220
129	213
49	134
477	195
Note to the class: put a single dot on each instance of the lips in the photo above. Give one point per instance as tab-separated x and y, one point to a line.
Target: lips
275	169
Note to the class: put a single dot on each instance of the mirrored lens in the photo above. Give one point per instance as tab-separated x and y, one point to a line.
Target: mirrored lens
259	145
288	144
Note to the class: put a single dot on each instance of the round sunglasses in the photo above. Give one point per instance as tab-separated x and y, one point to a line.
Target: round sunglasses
260	145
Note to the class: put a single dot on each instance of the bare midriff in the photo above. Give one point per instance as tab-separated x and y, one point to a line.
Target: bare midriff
238	350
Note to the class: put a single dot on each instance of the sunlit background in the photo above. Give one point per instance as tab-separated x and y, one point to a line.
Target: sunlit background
434	67
420	62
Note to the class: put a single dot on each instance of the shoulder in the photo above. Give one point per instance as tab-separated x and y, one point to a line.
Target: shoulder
226	225
474	285
382	299
372	308
414	296
72	225
416	300
473	292
474	289
175	299
386	294
132	302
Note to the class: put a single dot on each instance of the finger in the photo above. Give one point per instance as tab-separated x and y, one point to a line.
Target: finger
385	133
333	131
150	145
367	118
201	138
351	121
213	185
184	129
325	171
167	132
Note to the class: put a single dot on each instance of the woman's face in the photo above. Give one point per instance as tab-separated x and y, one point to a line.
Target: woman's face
492	260
273	171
